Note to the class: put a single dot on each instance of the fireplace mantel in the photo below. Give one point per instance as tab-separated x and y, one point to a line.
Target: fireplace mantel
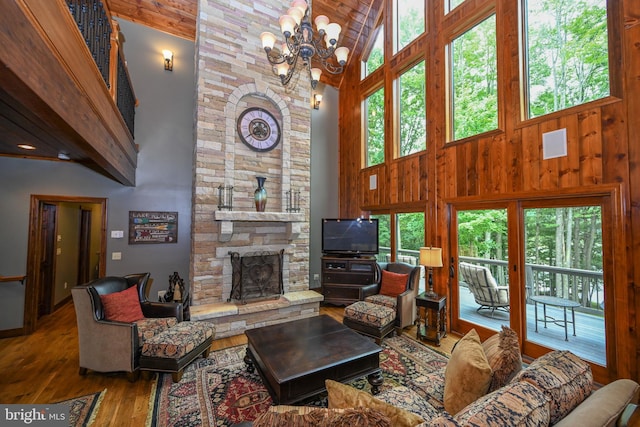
226	220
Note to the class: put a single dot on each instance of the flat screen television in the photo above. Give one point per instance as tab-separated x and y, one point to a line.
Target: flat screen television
350	236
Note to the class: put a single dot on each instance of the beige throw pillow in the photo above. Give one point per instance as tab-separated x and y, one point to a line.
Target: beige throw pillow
342	396
468	374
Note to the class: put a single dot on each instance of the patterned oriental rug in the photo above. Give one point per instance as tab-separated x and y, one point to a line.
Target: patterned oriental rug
83	409
218	391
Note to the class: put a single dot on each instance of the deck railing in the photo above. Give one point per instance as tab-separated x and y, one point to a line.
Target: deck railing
583	286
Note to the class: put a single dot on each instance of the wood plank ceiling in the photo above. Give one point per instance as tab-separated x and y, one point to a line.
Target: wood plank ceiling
178	17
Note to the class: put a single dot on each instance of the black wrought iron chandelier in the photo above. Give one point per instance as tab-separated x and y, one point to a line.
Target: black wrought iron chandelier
301	42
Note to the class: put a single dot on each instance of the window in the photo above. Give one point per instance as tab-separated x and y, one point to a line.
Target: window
375	59
374	115
409	23
474	81
384	237
412	110
409	237
567	54
449	5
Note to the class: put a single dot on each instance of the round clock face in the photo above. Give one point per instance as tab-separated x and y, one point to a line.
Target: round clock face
258	129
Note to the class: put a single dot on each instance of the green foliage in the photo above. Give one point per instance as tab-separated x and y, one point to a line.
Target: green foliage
411	231
376	56
409	21
374	107
475	81
483	233
413	122
568	53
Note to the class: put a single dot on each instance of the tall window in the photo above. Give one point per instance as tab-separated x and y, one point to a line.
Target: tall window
567	53
384	237
412	110
475	80
375	58
374	114
409	237
409	23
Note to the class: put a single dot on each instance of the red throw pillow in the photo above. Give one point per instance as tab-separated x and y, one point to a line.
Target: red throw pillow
393	284
123	306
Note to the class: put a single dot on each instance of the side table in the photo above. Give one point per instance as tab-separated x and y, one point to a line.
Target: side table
432	318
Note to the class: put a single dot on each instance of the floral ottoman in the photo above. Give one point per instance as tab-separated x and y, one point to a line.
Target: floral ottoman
370	319
175	348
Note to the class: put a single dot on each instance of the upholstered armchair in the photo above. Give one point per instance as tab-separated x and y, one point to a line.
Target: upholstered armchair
484	287
114	345
389	283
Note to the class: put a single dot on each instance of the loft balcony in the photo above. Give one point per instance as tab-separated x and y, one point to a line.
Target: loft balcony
64	87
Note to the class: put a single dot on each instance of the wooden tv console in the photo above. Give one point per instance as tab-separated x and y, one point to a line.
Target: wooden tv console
342	278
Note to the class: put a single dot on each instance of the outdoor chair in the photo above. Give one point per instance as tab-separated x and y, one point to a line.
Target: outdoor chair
484	288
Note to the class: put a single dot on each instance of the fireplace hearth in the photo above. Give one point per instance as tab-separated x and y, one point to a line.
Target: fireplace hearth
256	276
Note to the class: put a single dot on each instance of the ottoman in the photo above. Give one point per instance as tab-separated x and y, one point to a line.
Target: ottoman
175	348
370	319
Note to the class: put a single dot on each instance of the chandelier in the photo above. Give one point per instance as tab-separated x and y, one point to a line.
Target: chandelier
301	42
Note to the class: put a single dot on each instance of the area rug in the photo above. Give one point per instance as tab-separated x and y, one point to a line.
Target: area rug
83	409
218	391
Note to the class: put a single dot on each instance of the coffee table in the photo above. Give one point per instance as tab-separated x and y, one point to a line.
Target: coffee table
295	358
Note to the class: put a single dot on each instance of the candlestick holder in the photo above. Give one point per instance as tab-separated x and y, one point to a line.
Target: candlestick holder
293	201
225	197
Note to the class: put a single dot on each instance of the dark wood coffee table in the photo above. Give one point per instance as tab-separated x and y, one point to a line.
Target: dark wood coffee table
295	358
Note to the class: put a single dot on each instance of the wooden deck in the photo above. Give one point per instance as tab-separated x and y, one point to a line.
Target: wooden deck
589	342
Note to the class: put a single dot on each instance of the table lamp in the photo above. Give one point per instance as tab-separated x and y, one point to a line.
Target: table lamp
429	258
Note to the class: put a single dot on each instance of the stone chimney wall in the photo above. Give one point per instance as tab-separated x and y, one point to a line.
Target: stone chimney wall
232	75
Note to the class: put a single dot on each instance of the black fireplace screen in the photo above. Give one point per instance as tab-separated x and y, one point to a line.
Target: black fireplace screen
256	276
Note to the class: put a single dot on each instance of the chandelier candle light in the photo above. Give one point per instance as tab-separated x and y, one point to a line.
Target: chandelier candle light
300	41
429	258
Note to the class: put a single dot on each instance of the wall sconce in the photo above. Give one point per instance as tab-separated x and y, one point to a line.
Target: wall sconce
168	60
317	99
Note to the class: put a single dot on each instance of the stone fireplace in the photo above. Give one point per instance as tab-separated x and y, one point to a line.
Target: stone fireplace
256	276
232	76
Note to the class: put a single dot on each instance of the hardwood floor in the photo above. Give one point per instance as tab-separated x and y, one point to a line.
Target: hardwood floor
43	368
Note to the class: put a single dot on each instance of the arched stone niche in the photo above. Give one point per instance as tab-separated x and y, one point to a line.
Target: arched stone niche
242	164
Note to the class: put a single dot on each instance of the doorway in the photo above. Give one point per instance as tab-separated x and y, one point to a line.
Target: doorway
67	246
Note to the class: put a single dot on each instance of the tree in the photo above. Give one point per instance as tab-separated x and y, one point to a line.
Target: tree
568	60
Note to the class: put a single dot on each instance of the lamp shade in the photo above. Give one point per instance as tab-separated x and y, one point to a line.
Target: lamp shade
431	257
333	32
268	40
341	55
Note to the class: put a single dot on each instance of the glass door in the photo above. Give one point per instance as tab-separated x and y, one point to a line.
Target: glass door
483	268
565	279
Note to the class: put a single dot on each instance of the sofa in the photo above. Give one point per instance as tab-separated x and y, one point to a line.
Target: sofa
483	384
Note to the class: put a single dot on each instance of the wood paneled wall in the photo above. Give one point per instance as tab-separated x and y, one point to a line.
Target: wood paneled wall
603	145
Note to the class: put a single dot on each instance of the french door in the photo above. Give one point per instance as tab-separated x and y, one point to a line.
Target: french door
539	267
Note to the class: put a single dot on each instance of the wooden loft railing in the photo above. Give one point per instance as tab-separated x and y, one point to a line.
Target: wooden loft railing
69	88
101	34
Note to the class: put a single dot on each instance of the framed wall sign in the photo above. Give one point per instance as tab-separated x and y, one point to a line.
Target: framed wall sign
153	227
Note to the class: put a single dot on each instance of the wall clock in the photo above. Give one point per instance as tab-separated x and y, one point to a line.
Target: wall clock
259	129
